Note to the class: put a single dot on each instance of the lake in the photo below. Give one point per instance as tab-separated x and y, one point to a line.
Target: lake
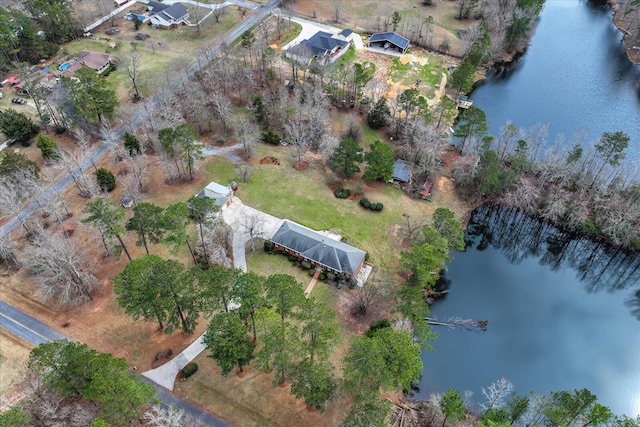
574	77
563	314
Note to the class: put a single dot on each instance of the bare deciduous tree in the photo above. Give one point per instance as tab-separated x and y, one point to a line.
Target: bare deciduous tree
63	273
497	393
252	224
7	253
248	133
132	68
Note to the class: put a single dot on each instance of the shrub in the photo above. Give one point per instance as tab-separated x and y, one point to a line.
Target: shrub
312	272
322	276
380	324
367	204
168	354
305	264
363	201
106	179
341	277
293	258
268	245
269	137
159	355
48	147
189	370
131	143
341	193
331	276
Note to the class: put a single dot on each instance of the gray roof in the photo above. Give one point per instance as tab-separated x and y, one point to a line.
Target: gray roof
176	11
156	6
321	43
402	171
317	247
219	193
391	37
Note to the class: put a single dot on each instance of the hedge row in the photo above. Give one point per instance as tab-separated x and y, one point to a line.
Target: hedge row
365	203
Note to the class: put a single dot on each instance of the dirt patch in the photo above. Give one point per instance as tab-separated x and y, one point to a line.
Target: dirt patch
300	165
269	161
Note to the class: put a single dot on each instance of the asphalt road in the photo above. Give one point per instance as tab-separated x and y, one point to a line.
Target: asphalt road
137	118
25	326
36	332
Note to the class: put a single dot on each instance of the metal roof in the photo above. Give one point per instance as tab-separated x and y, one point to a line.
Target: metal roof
402	171
391	37
309	243
219	193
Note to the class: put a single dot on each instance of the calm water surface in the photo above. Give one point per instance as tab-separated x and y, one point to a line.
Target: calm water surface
574	77
563	314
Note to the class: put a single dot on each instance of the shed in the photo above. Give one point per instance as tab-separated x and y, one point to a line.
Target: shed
402	172
218	192
389	40
126	201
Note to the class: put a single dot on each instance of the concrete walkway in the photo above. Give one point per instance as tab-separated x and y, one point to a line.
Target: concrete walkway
234	215
165	375
312	284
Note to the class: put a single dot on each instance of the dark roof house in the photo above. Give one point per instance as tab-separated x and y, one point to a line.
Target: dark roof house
322	46
166	16
389	40
402	172
322	251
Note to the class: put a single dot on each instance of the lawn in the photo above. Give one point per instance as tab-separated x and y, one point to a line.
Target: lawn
303	197
161	53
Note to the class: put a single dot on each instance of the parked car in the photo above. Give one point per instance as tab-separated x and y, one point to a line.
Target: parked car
18	100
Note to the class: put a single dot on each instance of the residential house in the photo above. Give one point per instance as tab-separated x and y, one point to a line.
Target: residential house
95	60
389	40
323	46
167	16
402	172
321	251
118	3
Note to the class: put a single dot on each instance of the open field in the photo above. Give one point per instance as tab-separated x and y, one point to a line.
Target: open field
14	353
370	14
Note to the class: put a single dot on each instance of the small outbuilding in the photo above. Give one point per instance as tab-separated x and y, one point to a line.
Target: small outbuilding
389	40
219	193
402	172
126	202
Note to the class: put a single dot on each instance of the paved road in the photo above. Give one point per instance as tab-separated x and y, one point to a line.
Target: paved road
26	327
36	332
137	118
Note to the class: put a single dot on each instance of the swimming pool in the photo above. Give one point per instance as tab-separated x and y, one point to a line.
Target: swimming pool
64	66
130	16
